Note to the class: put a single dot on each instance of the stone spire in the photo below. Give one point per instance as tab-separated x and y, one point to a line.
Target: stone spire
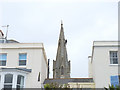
61	67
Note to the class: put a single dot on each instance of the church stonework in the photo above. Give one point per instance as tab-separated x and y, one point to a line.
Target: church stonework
61	67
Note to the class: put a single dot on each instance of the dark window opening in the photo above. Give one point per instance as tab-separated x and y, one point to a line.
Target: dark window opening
62	70
39	77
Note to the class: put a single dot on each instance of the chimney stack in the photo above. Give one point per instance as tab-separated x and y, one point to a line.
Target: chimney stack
1	34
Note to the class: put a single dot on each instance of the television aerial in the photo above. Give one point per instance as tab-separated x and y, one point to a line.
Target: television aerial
6	30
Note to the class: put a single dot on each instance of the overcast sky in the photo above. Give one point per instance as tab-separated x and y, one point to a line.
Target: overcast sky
83	21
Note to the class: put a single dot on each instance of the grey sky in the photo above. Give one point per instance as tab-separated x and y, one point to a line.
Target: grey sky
84	22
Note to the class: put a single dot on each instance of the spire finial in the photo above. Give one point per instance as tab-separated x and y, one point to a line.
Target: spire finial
61	23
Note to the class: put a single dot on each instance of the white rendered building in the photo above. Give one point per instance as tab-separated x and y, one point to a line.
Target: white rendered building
103	64
22	65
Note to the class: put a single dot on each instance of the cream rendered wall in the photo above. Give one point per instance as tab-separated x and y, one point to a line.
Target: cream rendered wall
101	67
119	60
37	65
81	85
90	67
36	60
44	70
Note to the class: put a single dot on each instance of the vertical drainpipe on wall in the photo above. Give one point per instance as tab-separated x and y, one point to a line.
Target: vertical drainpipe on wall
48	69
42	86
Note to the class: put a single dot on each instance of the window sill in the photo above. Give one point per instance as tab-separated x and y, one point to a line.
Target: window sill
114	64
3	66
21	66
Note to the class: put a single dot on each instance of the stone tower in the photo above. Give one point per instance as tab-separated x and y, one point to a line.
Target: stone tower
61	67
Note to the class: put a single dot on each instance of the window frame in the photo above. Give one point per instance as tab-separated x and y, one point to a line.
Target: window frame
14	80
112	62
11	83
3	59
21	86
25	60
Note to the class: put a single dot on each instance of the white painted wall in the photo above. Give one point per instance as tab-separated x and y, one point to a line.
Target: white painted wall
100	63
36	60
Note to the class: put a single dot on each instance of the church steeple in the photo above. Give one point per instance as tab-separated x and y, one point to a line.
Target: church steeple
61	67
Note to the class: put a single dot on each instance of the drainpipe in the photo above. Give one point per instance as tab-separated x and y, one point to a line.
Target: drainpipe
48	69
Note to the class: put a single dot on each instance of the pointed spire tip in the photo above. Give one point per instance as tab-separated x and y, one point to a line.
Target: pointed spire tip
61	23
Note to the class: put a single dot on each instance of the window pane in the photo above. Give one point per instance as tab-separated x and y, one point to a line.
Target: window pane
3	56
22	62
22	56
62	70
113	53
18	86
113	57
8	78
2	63
111	60
8	86
115	61
20	79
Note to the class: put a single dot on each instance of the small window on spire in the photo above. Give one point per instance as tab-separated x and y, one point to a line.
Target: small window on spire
62	70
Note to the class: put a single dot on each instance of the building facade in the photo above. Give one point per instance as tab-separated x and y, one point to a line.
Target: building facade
104	63
22	65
